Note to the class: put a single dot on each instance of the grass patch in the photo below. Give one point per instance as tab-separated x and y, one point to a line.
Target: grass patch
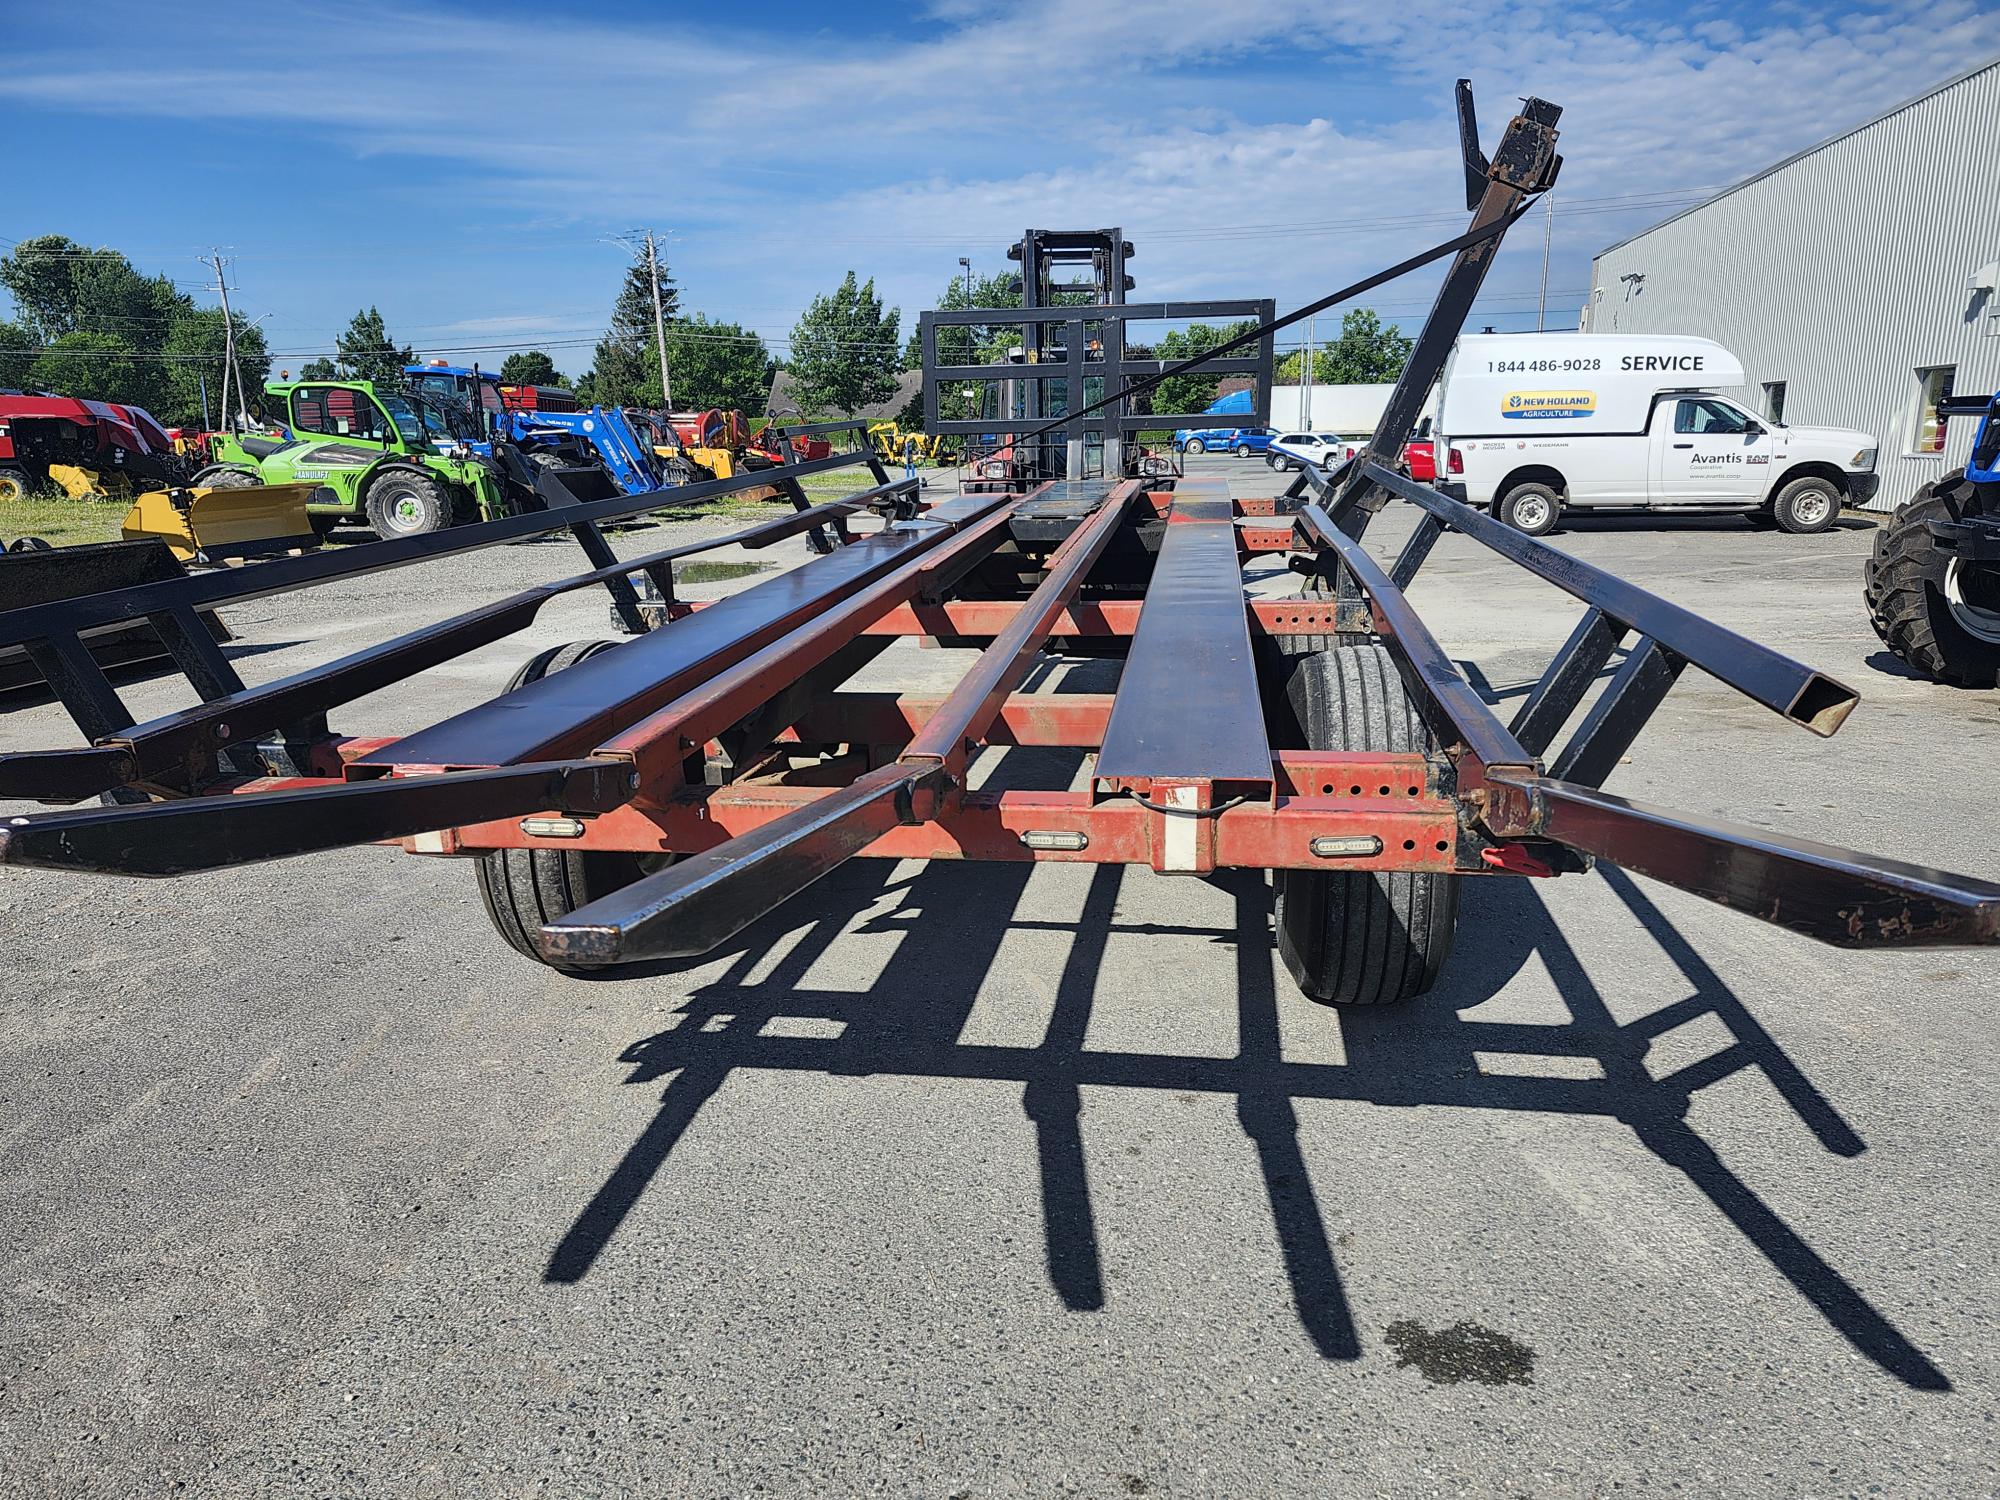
61	521
716	572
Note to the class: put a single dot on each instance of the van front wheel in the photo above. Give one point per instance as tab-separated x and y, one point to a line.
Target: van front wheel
1807	505
1533	508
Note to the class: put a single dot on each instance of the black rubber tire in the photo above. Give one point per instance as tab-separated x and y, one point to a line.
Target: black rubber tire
1910	574
1242	450
1362	937
1871	583
224	479
1544	521
524	888
402	502
1786	507
15	485
1196	447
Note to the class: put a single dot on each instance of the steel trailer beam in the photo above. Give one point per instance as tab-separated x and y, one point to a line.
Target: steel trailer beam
189	740
694	906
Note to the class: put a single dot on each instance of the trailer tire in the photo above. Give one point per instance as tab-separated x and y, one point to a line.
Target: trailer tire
1532	508
1362	937
1939	616
1807	505
524	888
404	502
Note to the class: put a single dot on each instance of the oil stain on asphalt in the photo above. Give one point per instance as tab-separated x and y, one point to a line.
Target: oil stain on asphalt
1464	1351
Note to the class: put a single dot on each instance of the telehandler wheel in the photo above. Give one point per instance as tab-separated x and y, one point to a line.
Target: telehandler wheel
1939	614
404	502
1362	937
523	888
1533	508
1807	506
14	483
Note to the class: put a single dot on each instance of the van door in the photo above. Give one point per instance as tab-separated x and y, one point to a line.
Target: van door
1710	453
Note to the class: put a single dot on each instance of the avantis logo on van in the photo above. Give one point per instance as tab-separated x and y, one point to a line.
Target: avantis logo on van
1542	405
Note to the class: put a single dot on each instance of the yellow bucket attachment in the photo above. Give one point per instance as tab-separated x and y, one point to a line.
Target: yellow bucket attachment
215	524
85	484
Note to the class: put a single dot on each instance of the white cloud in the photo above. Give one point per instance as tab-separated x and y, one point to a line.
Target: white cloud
784	159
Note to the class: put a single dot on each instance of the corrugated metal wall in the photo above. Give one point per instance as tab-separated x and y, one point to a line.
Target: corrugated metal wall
1842	273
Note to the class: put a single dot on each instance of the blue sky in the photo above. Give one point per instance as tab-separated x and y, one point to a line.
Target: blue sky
463	166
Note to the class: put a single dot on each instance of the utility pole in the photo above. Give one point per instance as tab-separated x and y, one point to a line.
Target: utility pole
219	263
966	261
659	322
1548	233
1307	372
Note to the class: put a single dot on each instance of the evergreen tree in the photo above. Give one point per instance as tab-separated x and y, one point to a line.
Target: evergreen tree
368	353
626	370
844	350
319	369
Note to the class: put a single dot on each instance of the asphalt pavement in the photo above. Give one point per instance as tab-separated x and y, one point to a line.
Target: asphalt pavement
970	1181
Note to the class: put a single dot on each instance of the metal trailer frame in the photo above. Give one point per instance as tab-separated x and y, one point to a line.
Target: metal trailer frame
723	737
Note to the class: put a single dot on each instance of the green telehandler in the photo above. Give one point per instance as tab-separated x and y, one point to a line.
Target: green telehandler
402	463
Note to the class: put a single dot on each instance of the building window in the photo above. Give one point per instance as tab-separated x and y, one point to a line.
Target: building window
1933	386
1774	400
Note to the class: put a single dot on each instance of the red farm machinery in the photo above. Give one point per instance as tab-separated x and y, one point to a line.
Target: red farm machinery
652	797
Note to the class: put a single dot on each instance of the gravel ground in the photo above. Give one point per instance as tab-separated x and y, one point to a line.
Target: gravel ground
980	1181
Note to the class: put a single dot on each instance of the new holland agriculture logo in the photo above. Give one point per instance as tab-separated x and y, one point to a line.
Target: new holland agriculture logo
1541	405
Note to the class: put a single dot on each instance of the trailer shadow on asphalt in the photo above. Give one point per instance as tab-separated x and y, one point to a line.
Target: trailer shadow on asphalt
954	918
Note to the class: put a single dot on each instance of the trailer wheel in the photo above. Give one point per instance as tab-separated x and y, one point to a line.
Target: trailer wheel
1533	508
1939	614
403	502
1362	937
1807	506
524	888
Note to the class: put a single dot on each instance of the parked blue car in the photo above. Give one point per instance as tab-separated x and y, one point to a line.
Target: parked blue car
1242	441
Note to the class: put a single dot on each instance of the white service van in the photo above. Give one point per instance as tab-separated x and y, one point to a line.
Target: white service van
1549	422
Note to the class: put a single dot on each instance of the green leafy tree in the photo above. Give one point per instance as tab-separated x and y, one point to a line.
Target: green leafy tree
1179	394
845	353
193	353
530	367
1367	352
16	344
626	369
368	353
319	369
717	364
95	366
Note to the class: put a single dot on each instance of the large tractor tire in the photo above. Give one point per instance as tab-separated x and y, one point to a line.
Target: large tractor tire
1362	937
225	479
524	888
1939	614
406	502
14	484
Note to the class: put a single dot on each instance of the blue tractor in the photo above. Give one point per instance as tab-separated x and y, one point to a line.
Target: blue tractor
1933	579
557	434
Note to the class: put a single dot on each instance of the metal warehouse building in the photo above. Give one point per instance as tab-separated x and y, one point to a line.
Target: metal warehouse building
1856	280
